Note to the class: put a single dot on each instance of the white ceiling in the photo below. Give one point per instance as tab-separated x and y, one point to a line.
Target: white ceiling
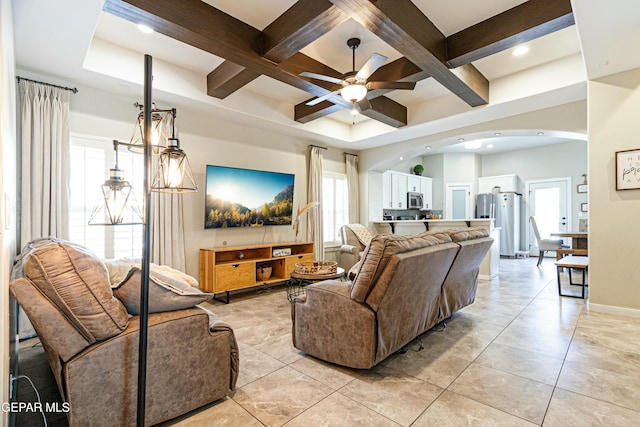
74	42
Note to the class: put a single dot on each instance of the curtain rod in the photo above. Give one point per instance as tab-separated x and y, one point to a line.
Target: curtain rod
350	154
317	146
72	89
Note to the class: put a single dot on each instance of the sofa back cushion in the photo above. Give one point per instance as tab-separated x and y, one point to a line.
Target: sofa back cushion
459	288
76	281
378	253
406	295
464	234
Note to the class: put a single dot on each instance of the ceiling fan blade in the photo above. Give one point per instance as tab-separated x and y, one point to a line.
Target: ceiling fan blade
322	98
364	104
391	85
371	66
321	77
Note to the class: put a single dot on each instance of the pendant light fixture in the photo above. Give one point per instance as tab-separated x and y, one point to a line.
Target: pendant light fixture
160	121
118	205
173	174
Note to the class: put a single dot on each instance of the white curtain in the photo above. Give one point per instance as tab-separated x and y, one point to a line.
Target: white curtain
167	230
45	161
167	220
353	187
314	194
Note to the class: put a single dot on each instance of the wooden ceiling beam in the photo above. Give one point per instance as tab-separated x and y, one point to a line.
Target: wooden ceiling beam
525	22
196	23
405	28
299	26
227	78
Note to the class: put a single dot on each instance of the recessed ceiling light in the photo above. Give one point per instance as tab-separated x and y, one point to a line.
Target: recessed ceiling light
460	139
145	28
540	133
401	158
472	145
497	134
428	147
520	50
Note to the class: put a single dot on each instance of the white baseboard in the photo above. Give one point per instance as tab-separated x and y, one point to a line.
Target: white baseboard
484	276
621	311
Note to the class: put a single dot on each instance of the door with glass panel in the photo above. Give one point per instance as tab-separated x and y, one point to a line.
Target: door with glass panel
458	201
548	203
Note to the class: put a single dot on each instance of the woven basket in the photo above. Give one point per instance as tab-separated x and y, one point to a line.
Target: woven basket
316	267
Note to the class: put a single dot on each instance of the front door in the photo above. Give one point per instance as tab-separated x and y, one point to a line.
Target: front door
548	203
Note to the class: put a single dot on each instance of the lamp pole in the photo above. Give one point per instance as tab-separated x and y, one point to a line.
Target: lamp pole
146	247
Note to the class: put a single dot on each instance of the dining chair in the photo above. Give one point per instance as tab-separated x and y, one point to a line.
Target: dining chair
544	244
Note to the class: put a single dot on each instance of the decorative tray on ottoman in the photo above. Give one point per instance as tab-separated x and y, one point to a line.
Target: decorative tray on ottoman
316	267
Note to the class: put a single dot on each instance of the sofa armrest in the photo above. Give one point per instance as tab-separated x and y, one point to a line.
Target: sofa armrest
188	366
348	256
329	325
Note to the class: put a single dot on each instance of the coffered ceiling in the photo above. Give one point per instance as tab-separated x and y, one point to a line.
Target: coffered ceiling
241	60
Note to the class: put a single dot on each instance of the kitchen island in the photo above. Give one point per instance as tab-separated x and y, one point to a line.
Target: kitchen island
490	266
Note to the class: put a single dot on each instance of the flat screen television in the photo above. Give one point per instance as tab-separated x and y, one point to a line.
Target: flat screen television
238	197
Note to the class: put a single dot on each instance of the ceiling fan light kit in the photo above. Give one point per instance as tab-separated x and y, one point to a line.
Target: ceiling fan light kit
354	83
354	92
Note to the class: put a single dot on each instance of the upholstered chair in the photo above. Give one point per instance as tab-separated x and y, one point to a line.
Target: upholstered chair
355	237
544	245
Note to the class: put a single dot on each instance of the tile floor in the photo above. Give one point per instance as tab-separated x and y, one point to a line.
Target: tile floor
519	356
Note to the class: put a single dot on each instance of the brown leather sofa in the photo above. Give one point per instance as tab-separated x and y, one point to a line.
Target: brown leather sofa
405	286
92	343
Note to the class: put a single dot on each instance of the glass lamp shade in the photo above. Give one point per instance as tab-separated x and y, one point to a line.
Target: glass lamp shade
173	174
160	123
119	205
354	92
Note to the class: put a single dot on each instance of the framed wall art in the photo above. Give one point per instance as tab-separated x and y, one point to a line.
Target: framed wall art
628	169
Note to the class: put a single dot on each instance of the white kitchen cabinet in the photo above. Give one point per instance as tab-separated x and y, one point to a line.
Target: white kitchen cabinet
507	183
386	191
414	183
426	188
395	186
398	190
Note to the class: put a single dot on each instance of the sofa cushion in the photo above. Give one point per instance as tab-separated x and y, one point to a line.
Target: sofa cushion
462	235
382	247
76	281
168	291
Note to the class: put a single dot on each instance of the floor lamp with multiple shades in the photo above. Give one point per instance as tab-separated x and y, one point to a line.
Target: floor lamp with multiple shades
173	175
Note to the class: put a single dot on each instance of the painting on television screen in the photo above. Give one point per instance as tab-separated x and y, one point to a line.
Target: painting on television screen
237	197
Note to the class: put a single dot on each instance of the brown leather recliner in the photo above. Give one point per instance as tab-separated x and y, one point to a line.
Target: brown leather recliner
92	343
405	286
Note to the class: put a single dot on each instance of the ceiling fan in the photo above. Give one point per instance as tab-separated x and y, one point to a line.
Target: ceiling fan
354	83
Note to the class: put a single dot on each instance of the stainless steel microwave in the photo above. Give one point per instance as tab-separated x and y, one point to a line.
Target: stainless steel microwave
414	200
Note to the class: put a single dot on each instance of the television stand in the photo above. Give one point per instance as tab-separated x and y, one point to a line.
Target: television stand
230	268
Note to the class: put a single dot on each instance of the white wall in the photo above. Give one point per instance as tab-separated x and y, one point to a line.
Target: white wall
614	270
7	190
208	141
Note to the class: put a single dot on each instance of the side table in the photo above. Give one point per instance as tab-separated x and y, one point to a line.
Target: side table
298	281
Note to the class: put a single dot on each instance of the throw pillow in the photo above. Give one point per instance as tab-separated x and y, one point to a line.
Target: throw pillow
166	293
76	281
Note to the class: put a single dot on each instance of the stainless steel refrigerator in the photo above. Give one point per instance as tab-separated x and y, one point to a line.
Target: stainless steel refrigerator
505	208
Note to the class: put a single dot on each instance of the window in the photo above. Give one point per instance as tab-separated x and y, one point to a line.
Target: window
91	159
335	209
